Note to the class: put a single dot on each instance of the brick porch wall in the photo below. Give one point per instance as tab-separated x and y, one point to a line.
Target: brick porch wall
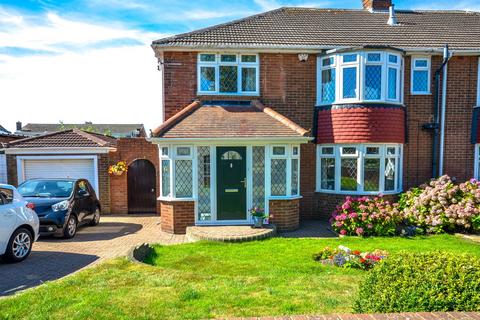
285	214
129	150
177	216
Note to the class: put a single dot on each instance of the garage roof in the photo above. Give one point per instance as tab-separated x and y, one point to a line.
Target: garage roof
73	138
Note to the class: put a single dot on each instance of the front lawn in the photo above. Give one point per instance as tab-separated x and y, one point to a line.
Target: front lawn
207	280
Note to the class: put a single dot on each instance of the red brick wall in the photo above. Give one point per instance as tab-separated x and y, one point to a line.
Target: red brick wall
177	216
359	125
129	150
376	4
285	214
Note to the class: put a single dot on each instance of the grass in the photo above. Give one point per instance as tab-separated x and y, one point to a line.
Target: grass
207	280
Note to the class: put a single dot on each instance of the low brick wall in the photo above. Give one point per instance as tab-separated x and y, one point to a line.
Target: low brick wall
327	202
177	216
285	214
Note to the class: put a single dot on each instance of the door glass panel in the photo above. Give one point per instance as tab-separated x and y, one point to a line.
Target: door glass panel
203	161
258	176
231	155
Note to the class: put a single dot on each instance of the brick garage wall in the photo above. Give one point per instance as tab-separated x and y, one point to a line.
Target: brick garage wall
129	150
103	177
285	214
177	216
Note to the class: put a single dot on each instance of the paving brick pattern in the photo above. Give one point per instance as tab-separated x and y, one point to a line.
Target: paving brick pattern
229	233
396	316
53	258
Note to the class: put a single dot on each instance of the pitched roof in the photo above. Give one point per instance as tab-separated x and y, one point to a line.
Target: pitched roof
73	138
113	128
233	121
327	28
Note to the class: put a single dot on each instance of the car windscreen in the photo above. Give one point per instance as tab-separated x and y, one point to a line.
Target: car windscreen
46	188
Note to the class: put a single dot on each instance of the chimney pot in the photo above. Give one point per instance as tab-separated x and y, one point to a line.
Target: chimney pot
19	125
376	5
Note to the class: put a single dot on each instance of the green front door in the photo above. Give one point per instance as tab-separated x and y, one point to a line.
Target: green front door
231	183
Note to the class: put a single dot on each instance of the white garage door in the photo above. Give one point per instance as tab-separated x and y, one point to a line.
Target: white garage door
60	168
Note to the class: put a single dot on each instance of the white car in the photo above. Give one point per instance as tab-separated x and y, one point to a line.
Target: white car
19	226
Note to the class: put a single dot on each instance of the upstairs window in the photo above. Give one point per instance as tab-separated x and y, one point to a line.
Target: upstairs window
228	74
360	76
420	75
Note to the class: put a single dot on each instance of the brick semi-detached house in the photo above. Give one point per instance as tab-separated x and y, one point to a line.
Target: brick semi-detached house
293	109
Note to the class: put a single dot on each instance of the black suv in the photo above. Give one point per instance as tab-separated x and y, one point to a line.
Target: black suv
62	204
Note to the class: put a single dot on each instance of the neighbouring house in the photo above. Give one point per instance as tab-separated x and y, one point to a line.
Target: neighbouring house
296	108
117	130
5	137
74	153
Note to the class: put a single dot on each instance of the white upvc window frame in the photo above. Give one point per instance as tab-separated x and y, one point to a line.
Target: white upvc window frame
361	155
172	157
415	68
361	64
476	162
238	63
287	156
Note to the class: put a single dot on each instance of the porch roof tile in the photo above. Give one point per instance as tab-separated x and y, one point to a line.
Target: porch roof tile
217	121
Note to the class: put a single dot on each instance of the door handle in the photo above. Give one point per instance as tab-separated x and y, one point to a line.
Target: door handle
244	181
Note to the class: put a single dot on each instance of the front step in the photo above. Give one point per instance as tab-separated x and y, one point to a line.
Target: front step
230	233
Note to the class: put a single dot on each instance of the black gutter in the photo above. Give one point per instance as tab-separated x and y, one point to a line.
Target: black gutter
436	115
315	124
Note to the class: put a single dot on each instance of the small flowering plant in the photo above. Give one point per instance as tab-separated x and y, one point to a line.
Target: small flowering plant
366	216
344	257
118	168
257	212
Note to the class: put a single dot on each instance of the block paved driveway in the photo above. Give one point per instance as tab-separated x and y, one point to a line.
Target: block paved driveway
53	258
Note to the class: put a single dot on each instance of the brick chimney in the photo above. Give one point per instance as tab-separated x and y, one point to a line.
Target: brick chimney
376	5
19	125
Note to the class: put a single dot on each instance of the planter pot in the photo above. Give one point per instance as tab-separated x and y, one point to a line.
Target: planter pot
258	222
117	173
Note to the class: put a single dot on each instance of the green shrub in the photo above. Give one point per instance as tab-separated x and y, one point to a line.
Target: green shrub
408	282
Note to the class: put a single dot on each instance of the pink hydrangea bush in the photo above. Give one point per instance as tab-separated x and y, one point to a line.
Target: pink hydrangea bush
366	216
443	206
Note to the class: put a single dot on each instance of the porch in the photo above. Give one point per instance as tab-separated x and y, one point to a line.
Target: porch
218	162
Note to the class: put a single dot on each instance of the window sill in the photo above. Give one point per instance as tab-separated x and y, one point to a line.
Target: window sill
169	199
358	193
234	94
420	93
363	102
284	197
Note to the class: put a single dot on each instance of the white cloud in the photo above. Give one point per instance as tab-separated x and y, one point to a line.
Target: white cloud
109	84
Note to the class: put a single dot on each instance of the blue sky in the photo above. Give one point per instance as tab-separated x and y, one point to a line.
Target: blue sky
93	56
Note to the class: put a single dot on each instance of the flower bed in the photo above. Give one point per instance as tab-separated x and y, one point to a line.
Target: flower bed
366	217
344	257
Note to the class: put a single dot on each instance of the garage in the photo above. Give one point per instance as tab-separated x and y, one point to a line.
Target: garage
74	167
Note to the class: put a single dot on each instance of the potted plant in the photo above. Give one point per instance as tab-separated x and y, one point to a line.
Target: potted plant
118	169
258	214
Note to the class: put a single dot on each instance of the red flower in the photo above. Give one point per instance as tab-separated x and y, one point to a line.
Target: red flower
362	260
356	252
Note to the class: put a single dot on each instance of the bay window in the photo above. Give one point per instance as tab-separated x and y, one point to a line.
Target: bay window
230	74
420	78
362	76
359	169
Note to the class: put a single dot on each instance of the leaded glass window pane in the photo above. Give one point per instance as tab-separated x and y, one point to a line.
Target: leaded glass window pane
373	150
392	83
278	151
371	174
349	58
207	78
249	58
294	178
328	85
207	57
392	58
183	151
420	81
279	177
228	78
349	150
348	180
203	160
183	178
350	83
228	58
165	178
373	82
390	174
373	57
328	173
327	150
258	176
249	79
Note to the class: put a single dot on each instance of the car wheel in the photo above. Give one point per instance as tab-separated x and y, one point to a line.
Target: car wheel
70	228
96	217
19	246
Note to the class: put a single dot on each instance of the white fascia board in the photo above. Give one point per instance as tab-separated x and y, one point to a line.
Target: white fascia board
58	150
227	141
